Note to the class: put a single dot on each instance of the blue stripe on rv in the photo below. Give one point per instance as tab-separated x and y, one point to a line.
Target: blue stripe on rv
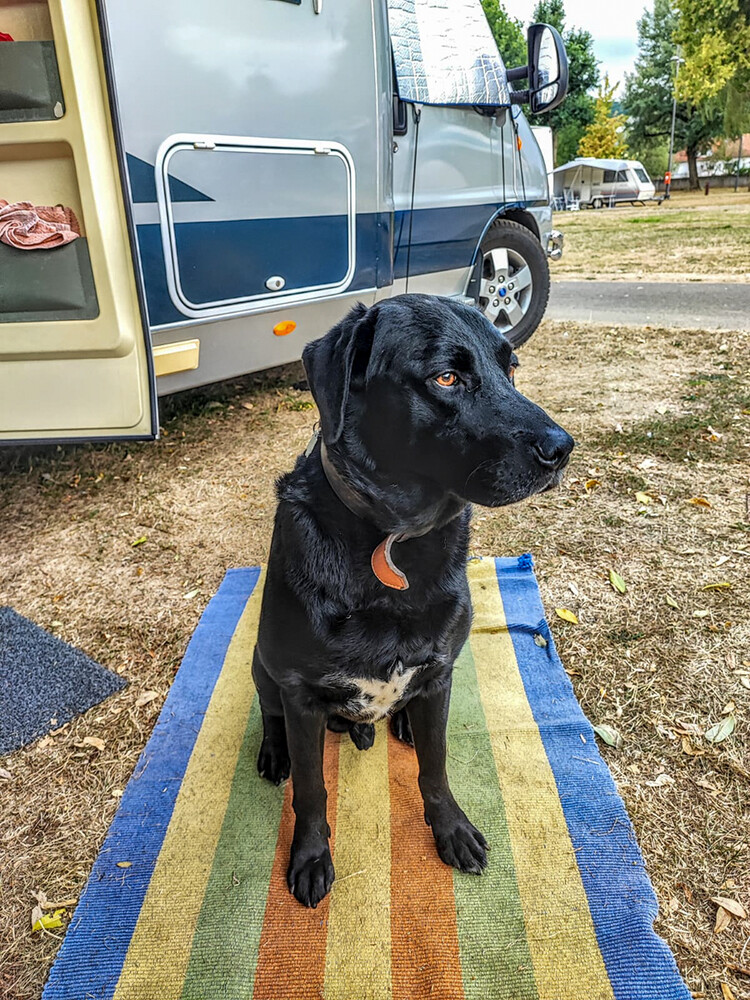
233	258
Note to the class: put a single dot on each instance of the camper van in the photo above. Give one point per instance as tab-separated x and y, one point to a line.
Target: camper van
597	183
192	191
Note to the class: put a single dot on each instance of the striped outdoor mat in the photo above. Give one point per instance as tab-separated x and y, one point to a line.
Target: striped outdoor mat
563	912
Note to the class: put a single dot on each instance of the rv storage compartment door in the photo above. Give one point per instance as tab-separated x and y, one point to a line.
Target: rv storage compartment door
281	227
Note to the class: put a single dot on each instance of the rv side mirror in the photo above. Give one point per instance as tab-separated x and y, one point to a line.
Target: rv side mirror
546	70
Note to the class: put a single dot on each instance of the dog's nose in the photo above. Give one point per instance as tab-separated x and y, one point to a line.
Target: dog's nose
553	448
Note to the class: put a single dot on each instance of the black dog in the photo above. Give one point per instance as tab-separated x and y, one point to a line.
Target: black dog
366	603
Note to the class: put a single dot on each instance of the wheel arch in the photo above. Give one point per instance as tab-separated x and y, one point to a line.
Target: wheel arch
519	215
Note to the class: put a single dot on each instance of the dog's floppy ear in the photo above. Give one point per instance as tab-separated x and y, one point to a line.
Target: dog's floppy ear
337	361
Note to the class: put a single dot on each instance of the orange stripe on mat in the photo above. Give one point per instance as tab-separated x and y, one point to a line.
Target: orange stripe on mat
292	951
425	958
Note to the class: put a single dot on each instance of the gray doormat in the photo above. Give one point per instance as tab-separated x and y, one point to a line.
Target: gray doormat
43	678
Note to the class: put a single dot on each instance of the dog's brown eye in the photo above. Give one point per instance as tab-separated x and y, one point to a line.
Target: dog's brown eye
447	378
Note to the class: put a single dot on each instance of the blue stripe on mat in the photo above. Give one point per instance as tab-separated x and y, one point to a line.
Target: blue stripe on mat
91	957
621	898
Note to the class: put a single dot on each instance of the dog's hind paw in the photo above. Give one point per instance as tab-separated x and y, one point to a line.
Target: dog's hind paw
401	727
310	879
362	735
273	762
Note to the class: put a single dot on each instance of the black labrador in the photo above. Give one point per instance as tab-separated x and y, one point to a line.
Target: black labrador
366	603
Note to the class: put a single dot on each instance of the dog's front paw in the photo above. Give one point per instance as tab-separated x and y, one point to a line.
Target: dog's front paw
362	735
310	878
460	844
273	761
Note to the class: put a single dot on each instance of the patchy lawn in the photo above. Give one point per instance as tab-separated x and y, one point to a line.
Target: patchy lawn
658	413
691	237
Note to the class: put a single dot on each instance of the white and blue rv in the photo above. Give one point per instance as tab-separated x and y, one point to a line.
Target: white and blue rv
241	173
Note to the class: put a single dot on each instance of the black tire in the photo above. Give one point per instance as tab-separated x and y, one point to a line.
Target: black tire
521	244
597	203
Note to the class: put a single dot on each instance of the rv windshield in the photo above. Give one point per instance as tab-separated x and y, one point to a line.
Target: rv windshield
641	174
444	53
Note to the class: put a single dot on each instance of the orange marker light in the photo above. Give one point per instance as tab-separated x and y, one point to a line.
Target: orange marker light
284	327
519	142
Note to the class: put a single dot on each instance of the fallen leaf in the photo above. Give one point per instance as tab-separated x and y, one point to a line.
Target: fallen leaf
731	906
139	541
610	736
46	921
539	640
6	775
701	613
705	783
689	749
248	406
648	463
721	730
567	616
642	497
573	588
728	708
674	904
145	698
712	434
617	582
591	484
660	780
745	682
699	502
190	594
124	864
717	586
672	602
726	992
92	741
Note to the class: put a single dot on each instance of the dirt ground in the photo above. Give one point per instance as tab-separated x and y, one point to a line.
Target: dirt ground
118	548
691	237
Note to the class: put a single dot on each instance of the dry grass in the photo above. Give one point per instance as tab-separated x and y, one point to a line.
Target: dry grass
203	498
691	237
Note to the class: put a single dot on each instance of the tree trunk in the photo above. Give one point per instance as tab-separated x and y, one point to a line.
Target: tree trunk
692	154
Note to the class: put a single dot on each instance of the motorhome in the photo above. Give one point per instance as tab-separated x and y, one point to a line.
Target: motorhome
192	191
598	183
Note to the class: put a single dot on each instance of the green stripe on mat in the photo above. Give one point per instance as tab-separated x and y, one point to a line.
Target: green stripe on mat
225	944
495	957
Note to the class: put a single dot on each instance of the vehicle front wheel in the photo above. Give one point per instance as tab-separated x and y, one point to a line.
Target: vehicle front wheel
514	285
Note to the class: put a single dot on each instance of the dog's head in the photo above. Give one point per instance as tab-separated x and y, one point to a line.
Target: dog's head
420	386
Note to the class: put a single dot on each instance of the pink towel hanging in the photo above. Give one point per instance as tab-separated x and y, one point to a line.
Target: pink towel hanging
37	227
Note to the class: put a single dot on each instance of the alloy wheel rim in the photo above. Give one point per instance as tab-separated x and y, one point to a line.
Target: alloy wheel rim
506	288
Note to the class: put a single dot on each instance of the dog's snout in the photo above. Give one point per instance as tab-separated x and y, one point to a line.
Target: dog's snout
553	448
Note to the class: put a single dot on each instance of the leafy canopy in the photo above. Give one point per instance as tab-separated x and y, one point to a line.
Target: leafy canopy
605	136
715	40
647	101
508	32
570	119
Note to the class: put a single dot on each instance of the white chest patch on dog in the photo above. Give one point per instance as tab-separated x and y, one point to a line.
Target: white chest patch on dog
375	698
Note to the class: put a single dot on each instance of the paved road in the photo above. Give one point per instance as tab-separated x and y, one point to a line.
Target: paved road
700	305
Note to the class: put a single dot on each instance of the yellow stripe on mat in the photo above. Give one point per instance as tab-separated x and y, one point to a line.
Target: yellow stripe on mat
358	957
567	962
159	950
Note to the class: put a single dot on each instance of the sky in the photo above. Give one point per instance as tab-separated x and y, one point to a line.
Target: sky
614	29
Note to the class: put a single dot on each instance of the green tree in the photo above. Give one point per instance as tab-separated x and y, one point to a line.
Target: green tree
508	32
649	92
570	119
604	138
715	39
